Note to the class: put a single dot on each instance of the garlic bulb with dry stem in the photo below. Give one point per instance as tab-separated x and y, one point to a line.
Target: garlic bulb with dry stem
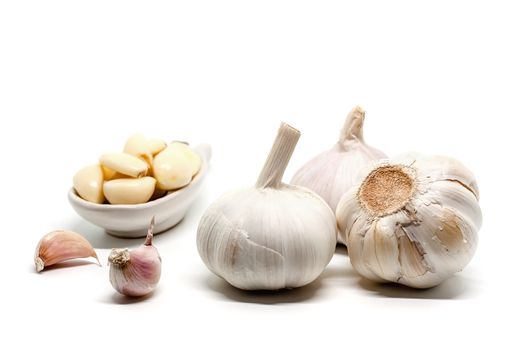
61	245
271	236
135	273
412	220
333	172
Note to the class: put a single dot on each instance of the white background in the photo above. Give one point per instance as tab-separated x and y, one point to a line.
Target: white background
77	78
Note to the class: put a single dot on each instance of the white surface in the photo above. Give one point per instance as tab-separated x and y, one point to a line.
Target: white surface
77	78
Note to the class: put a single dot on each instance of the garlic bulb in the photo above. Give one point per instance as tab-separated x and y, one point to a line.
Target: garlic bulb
135	273
61	245
412	220
271	236
333	172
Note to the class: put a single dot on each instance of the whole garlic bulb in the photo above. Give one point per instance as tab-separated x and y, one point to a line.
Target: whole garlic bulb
412	220
271	236
333	172
135	273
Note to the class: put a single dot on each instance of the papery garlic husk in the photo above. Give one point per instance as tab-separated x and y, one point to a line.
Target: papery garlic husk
61	245
271	236
413	220
333	172
135	273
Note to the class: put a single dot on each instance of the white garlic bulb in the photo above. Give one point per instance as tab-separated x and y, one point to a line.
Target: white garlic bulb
271	236
412	220
333	172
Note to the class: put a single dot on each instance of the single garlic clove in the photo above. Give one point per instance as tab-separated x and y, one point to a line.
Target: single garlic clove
156	145
137	272
129	191
333	172
138	146
125	164
88	183
175	166
61	245
192	157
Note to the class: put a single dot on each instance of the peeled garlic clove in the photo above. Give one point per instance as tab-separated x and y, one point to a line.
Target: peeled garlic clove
129	191
156	145
333	172
412	220
125	164
59	246
137	272
270	236
175	166
88	183
138	146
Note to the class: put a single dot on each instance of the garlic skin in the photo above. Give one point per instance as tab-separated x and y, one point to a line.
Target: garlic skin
271	236
135	273
61	245
413	220
333	172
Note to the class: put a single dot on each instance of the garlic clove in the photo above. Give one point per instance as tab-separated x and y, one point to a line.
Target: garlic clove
138	146
156	145
175	166
125	164
333	172
193	159
129	191
88	183
137	272
59	246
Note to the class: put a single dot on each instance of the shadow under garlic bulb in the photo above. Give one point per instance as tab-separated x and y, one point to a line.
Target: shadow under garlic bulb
413	220
271	236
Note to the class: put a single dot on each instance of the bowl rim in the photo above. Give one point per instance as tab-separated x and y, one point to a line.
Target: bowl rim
197	178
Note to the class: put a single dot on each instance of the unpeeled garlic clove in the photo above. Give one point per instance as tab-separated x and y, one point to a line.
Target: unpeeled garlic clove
129	191
138	146
61	245
175	166
125	164
88	183
135	273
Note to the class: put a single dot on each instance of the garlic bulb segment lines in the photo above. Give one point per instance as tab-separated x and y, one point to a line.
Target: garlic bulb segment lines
270	236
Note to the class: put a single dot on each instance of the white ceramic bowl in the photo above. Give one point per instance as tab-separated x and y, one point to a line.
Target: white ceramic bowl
132	220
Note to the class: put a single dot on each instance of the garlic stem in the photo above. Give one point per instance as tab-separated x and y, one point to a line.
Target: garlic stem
353	127
149	236
278	158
